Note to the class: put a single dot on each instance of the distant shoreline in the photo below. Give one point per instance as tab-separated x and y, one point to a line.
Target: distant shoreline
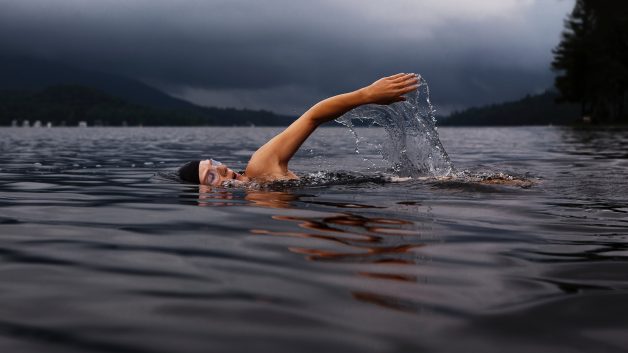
575	126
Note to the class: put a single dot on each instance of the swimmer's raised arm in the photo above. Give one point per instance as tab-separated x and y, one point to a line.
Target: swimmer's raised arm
271	160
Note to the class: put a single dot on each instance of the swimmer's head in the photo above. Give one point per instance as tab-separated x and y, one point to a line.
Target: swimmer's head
208	172
189	172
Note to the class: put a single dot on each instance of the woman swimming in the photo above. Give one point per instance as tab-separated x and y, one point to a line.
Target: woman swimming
270	162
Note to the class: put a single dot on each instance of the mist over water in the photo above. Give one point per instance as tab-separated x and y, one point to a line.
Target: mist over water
412	146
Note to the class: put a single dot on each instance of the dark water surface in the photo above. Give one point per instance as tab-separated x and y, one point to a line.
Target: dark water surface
101	252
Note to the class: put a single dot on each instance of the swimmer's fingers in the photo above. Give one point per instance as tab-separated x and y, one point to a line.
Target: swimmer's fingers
387	90
400	93
408	89
405	77
396	76
407	82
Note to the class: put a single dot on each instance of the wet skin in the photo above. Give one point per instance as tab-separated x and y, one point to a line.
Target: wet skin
270	162
215	173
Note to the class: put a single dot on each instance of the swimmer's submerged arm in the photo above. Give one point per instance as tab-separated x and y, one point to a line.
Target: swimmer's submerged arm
272	158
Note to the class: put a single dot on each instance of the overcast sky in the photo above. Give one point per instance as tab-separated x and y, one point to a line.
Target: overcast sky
284	55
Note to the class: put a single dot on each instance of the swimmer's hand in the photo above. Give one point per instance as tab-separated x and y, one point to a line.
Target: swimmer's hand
390	89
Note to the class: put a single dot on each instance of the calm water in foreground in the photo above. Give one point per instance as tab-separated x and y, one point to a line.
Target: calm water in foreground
100	251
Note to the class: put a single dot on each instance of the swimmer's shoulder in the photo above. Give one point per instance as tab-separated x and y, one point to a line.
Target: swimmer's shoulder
270	177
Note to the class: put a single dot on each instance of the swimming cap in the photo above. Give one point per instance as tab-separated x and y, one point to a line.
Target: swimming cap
189	172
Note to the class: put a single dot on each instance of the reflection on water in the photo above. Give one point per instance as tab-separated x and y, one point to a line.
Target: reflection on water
100	251
341	237
271	199
220	197
607	143
353	238
364	239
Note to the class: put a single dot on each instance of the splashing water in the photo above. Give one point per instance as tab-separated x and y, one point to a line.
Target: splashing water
412	147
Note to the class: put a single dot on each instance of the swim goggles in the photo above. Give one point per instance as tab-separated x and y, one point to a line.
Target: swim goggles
212	177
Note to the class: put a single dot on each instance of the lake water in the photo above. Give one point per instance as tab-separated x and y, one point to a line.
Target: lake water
101	251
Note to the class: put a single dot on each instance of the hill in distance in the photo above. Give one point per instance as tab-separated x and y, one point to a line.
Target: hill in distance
70	104
33	89
540	109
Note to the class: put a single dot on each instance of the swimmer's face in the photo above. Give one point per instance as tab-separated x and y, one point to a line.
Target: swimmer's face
214	173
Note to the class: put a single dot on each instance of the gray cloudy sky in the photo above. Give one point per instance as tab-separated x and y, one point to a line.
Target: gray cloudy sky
284	55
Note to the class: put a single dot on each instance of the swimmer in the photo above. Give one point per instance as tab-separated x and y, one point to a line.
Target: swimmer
270	162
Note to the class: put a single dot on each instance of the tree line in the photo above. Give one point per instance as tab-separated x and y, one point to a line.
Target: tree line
67	105
539	109
591	60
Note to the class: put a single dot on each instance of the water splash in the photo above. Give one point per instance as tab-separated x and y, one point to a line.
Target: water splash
412	147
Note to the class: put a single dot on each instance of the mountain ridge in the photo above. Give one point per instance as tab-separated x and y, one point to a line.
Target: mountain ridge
24	73
28	85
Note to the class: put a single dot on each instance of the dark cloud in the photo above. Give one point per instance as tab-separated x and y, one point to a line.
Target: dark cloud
283	55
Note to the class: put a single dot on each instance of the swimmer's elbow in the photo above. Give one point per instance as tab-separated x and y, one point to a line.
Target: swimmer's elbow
320	114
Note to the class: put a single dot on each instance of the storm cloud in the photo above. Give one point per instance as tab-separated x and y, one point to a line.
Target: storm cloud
284	55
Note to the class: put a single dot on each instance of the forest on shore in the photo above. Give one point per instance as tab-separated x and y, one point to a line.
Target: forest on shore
591	60
541	109
591	67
